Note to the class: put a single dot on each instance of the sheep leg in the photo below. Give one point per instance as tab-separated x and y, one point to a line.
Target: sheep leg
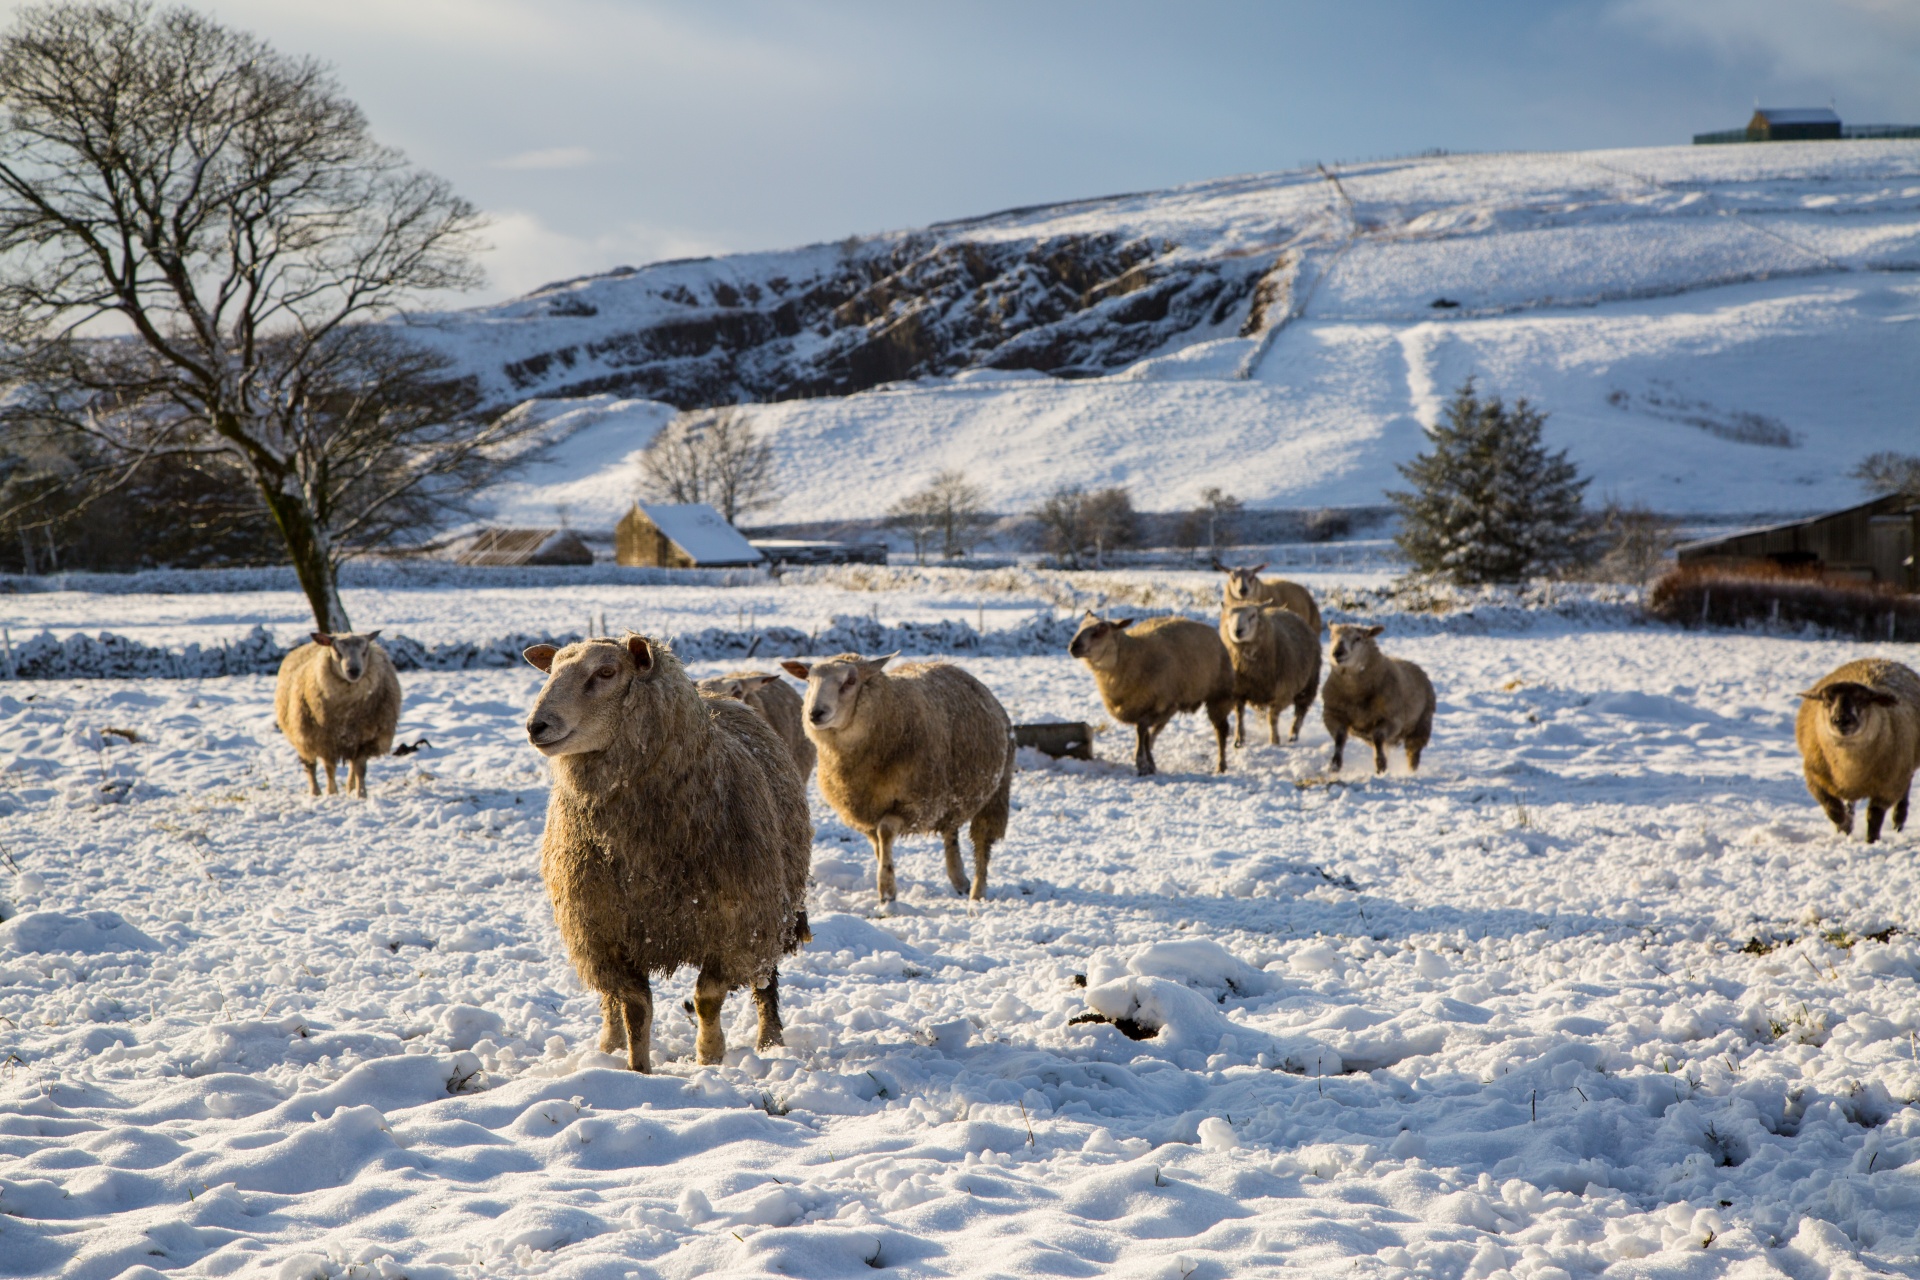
1217	712
1273	724
766	1001
955	876
1900	810
1876	816
1143	750
987	826
313	778
613	1023
1239	722
1380	754
331	789
357	777
882	838
1300	705
637	1006
1841	815
1339	749
710	1043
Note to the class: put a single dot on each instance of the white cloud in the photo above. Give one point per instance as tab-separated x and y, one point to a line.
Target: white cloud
551	158
526	253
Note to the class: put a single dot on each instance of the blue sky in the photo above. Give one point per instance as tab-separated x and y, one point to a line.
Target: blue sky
600	132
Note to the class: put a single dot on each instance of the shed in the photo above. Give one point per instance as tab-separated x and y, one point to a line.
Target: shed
1792	124
1872	542
524	546
688	535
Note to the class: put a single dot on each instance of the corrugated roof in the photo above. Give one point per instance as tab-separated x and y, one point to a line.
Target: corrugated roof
525	546
1799	115
701	532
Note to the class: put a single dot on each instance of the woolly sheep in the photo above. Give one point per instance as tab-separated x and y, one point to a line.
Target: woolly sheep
1276	661
1859	735
1379	699
922	748
338	698
1149	673
1244	586
677	834
777	704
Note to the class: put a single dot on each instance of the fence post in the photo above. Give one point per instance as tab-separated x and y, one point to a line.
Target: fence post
6	647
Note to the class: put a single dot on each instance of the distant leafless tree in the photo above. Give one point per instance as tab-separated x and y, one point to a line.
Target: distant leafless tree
1634	542
1075	524
918	516
713	456
951	509
226	207
1890	472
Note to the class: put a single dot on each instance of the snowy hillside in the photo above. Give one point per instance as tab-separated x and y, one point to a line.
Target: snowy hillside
1715	329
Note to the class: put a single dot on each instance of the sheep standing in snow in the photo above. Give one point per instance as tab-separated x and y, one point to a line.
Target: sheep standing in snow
1276	661
1379	699
338	698
777	704
677	834
1245	586
1859	736
922	748
1149	673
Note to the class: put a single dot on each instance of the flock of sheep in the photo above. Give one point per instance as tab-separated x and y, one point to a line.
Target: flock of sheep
678	831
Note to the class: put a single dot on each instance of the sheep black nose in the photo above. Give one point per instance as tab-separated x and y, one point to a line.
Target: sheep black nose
537	729
817	715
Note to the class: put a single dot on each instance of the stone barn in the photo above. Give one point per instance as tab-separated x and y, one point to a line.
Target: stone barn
690	535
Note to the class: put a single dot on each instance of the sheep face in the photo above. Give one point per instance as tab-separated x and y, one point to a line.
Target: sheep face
833	688
1097	639
1243	624
348	652
1352	646
1848	706
735	687
582	704
1244	584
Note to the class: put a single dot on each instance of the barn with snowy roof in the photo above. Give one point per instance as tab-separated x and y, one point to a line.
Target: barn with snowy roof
680	535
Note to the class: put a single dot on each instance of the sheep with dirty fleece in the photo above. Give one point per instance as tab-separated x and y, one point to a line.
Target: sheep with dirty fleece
337	698
925	747
1149	673
1246	586
1384	701
1858	730
1276	661
777	704
677	834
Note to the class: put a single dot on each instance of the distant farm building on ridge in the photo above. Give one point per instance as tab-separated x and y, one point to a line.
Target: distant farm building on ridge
1802	124
1873	542
524	546
689	535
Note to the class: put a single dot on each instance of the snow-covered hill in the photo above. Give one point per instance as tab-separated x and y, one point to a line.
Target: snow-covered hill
1714	329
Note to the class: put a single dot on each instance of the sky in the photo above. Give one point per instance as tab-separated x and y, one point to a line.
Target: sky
597	133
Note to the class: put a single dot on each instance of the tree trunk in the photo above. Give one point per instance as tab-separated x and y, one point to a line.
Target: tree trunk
307	549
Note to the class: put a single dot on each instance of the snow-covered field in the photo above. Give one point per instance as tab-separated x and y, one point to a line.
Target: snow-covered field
1745	312
1596	992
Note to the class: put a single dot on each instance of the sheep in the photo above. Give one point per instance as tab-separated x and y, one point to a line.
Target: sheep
1148	673
777	704
338	698
677	834
1858	730
1379	699
1244	586
1276	660
922	748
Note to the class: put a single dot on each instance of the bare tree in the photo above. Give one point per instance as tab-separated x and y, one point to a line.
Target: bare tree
1062	520
713	456
1109	522
1221	511
918	516
951	507
1635	542
226	207
1890	472
1075	524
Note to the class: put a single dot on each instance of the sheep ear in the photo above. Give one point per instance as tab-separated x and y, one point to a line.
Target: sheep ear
1220	568
1373	631
642	652
871	667
1815	694
373	635
798	670
540	655
1121	624
748	684
1257	568
322	638
1880	697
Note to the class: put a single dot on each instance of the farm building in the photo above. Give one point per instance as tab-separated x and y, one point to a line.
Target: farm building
1873	542
689	535
1802	124
524	546
800	551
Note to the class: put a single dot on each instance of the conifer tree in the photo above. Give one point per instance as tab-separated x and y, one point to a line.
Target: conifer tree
1489	502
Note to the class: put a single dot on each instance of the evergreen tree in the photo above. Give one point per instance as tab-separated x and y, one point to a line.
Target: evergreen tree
1489	502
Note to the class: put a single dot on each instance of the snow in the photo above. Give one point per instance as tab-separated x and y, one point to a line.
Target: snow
1597	991
703	533
1656	302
